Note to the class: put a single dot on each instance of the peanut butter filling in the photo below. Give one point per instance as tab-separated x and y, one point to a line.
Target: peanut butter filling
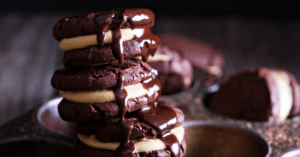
80	42
156	57
215	70
133	91
141	145
285	92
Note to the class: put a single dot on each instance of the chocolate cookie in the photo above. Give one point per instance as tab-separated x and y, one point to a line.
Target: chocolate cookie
202	55
110	130
100	77
175	73
89	23
99	55
78	112
86	151
94	29
260	94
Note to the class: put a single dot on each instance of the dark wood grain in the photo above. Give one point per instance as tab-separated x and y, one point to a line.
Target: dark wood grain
29	54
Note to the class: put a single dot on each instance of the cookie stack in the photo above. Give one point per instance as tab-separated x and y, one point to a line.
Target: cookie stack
111	95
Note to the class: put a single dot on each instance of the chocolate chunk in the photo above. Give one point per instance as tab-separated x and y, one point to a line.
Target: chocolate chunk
86	151
175	75
99	77
99	55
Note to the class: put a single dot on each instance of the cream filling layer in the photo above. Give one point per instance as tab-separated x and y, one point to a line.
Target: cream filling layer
156	57
80	42
215	70
285	92
141	145
100	96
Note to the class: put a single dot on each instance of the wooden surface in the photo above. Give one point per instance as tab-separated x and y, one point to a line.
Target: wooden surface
29	54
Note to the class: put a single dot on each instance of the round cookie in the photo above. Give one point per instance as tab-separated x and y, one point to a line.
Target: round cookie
100	77
86	151
79	112
99	55
202	55
109	130
88	24
175	73
260	94
105	27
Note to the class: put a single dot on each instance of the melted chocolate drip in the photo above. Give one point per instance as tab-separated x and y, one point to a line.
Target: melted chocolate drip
150	82
140	21
126	146
163	119
158	115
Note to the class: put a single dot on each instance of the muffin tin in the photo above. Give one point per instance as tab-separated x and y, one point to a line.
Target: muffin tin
224	140
43	133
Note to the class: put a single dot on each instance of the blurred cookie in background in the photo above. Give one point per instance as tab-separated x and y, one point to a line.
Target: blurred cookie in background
203	56
175	73
258	94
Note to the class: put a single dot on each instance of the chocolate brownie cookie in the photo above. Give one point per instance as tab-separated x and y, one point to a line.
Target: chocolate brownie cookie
175	73
79	112
202	55
260	94
100	77
109	130
86	151
108	27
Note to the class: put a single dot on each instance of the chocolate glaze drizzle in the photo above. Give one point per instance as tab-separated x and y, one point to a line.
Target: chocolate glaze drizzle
126	146
156	114
139	20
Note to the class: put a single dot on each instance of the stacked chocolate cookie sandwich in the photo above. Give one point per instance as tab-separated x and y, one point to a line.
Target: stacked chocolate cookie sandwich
111	95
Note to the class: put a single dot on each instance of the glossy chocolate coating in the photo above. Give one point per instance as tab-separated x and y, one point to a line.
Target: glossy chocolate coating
139	20
158	115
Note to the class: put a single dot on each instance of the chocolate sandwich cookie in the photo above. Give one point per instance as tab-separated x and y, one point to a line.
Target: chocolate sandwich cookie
101	77
86	151
165	121
109	130
260	94
202	55
79	112
175	73
108	27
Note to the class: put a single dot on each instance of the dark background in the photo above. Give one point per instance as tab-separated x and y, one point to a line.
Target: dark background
253	8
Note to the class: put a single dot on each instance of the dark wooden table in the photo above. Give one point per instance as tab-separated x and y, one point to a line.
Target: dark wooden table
29	54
